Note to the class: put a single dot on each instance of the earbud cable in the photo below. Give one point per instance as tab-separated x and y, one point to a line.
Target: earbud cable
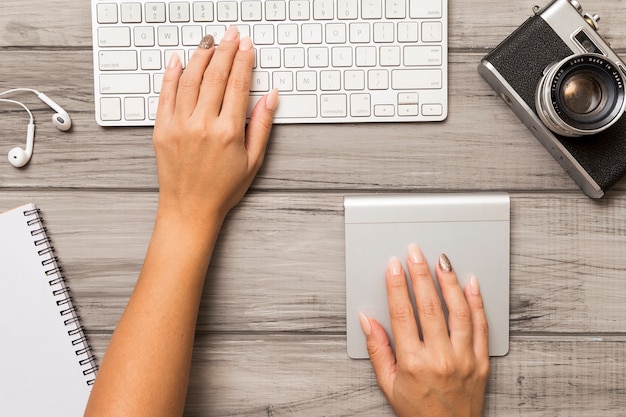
5	100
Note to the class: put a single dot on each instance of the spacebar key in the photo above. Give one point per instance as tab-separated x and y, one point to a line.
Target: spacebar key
291	107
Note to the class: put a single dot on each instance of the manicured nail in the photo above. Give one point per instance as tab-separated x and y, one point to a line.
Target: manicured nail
207	42
271	101
366	326
394	266
474	288
231	34
245	44
444	263
415	254
173	62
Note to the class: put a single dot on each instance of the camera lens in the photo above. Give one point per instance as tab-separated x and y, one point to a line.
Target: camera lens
581	95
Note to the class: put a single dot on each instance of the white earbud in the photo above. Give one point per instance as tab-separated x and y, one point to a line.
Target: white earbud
60	119
19	157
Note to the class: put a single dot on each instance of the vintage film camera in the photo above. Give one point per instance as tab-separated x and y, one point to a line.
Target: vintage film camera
567	85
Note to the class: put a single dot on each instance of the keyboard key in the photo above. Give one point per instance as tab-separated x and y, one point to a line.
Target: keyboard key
378	79
283	80
111	109
407	32
384	110
180	12
354	80
203	11
432	109
107	13
323	10
144	36
251	10
422	55
124	84
118	60
424	9
416	79
299	10
303	106
151	59
263	35
134	108
383	32
275	10
113	36
155	12
432	32
191	35
347	9
167	35
372	9
227	11
131	12
333	105
306	81
395	9
360	105
260	82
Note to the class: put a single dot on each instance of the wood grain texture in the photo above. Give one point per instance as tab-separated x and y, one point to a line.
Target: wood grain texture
270	274
271	330
307	375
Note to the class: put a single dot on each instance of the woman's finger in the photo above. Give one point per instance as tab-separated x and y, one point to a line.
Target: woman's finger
459	316
217	73
190	81
167	97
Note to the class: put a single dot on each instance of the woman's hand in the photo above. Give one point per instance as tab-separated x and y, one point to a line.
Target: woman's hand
444	374
206	158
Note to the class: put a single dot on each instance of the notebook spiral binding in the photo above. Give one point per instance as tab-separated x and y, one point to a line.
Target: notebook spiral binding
61	292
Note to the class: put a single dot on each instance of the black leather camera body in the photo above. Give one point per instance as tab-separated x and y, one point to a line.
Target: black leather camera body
567	86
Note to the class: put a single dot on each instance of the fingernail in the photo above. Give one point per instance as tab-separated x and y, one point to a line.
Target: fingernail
231	34
207	42
394	267
245	44
474	288
415	254
173	62
444	263
366	326
271	101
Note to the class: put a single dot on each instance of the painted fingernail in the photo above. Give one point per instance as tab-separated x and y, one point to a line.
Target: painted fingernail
444	263
271	101
415	254
245	44
207	42
231	34
394	266
474	288
366	326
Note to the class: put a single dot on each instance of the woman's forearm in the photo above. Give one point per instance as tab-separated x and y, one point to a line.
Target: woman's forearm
146	367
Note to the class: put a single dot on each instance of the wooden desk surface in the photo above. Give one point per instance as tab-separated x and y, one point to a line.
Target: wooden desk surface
271	332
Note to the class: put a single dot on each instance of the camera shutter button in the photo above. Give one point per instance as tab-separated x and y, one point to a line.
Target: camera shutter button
593	20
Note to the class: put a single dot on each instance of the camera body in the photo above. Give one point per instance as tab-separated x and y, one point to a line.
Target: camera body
566	85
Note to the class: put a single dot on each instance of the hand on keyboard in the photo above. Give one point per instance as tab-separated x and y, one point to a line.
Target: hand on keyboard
206	158
332	60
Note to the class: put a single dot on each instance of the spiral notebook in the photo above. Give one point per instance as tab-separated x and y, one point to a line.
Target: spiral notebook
46	365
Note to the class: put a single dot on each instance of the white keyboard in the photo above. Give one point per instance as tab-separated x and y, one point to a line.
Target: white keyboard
332	60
